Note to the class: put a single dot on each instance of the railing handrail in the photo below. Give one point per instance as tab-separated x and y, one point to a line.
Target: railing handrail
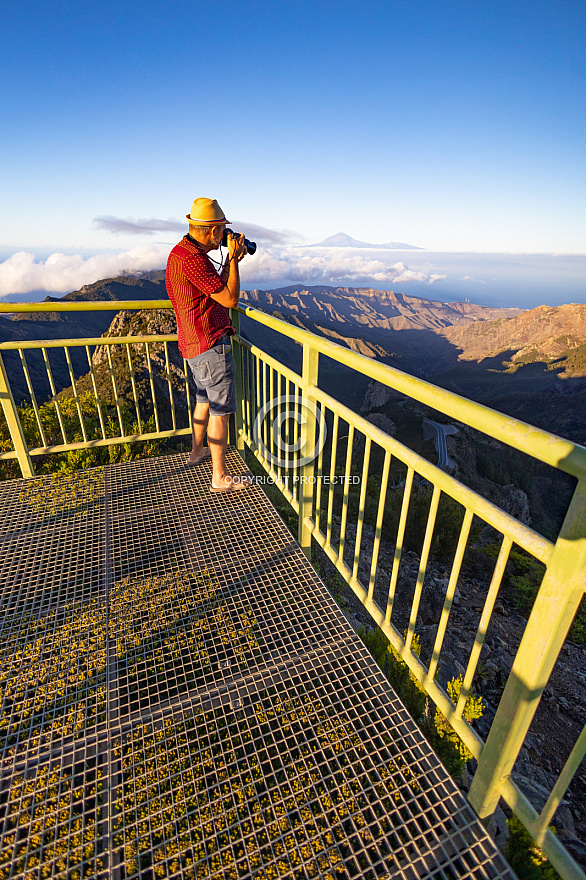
17	344
87	306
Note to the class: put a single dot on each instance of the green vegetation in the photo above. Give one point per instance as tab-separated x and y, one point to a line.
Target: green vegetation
523	577
441	736
576	360
66	463
503	469
53	676
215	803
524	856
52	826
64	492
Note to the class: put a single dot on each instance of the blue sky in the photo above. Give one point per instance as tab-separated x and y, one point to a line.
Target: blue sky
455	126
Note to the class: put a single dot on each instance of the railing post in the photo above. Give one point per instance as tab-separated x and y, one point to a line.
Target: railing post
551	617
14	425
241	403
309	375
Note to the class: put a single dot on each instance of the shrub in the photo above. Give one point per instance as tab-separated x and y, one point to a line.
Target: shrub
525	857
442	737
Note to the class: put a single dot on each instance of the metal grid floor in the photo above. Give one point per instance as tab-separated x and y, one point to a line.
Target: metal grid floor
181	697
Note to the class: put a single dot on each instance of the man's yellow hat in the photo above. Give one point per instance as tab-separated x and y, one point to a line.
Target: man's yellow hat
206	212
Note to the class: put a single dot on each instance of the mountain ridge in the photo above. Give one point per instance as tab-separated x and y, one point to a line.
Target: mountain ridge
381	309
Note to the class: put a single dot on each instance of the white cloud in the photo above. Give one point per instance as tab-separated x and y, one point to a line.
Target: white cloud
326	266
270	267
60	273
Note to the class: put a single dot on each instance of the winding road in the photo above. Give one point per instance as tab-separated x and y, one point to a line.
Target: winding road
444	460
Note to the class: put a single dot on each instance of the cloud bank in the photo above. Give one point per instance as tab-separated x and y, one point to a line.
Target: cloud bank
61	274
270	267
327	266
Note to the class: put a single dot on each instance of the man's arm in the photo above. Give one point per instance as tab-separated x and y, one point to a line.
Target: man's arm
229	294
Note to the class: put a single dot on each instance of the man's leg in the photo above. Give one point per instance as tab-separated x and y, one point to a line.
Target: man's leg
218	443
199	426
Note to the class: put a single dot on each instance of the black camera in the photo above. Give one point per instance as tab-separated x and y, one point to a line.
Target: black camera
250	245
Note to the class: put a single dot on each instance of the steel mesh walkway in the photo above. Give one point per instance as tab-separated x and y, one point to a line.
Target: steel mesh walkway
181	697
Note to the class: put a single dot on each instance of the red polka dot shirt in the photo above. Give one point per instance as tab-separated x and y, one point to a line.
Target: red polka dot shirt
190	279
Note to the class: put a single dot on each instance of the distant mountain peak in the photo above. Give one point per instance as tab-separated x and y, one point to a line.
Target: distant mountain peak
343	240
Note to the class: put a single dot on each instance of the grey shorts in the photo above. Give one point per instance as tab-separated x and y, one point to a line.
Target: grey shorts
214	373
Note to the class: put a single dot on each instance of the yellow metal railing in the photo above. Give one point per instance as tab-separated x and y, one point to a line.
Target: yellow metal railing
106	431
318	484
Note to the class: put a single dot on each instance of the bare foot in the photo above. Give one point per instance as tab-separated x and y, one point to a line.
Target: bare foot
195	458
232	483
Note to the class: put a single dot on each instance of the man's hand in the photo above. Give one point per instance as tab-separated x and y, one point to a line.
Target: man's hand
236	247
229	294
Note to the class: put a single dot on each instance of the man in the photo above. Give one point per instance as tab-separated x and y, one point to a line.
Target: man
201	298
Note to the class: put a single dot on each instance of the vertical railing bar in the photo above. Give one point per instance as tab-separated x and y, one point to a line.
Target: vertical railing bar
283	464
186	367
346	492
97	396
287	451
115	389
152	381
333	456
133	383
272	396
257	389
399	543
33	398
298	394
264	401
564	779
54	393
379	522
493	590
245	392
14	424
308	437
284	478
289	389
75	394
435	498
361	505
170	384
319	477
238	359
250	394
455	573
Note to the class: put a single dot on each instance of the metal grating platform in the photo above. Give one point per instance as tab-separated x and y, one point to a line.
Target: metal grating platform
181	697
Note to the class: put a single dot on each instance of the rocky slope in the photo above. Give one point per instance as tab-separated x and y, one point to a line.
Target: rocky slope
549	334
